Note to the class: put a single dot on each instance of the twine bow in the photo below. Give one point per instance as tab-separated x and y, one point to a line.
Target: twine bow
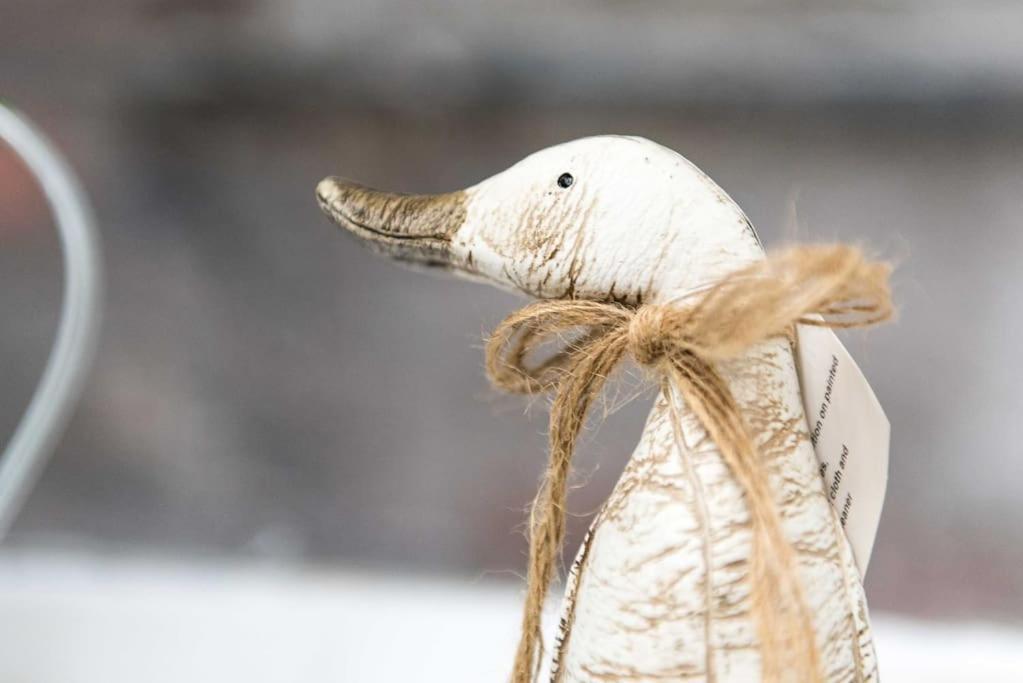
832	286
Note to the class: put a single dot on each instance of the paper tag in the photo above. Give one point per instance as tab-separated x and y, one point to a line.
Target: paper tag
849	432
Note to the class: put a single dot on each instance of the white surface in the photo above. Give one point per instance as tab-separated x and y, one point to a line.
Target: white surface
72	619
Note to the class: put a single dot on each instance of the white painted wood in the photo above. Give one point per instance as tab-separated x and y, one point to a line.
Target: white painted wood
663	592
660	590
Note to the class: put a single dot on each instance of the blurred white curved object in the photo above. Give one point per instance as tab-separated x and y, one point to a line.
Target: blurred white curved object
47	414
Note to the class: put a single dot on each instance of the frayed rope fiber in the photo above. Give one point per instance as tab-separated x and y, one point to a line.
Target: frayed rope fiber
827	285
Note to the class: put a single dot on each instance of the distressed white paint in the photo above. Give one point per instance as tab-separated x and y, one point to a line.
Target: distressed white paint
638	222
660	590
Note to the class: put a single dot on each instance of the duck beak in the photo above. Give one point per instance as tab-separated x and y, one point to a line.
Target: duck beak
407	227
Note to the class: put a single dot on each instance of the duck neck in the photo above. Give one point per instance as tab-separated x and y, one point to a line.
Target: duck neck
715	239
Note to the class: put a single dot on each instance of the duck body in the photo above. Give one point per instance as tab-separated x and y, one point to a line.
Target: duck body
660	589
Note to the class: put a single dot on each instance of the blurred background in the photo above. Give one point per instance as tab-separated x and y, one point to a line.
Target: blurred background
272	409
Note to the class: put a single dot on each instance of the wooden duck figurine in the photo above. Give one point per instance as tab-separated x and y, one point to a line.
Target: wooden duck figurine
659	590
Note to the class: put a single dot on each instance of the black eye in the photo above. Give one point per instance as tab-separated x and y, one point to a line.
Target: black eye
565	180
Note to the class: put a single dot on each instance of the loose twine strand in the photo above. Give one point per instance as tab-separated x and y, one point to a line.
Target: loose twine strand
826	285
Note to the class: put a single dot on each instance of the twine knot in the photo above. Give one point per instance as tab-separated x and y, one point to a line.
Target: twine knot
648	335
832	286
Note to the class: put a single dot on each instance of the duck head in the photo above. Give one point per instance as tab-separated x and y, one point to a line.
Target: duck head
608	218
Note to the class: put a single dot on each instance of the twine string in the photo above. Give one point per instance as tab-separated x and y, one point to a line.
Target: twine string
829	285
